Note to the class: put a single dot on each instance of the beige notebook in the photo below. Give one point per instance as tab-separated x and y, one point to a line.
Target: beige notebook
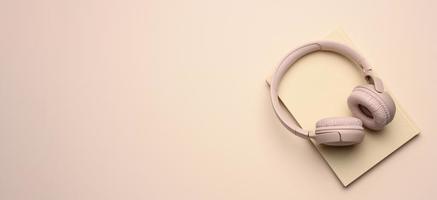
323	81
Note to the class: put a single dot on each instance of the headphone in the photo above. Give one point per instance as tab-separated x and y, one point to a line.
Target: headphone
370	105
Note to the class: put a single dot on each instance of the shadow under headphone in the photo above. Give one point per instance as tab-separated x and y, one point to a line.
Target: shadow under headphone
370	105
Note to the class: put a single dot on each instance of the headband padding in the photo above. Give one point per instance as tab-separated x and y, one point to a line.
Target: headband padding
374	109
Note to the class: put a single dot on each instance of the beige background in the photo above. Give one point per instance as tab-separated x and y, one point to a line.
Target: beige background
167	100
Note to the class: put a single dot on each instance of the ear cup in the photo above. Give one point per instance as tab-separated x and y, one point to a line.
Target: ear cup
339	131
374	109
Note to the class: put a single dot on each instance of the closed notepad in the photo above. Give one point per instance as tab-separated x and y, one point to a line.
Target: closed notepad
318	86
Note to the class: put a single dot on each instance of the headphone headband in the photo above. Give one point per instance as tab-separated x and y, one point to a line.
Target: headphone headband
298	53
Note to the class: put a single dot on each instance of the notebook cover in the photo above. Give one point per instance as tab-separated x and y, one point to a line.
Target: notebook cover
323	81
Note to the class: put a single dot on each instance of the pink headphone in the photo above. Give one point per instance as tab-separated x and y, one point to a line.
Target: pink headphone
370	105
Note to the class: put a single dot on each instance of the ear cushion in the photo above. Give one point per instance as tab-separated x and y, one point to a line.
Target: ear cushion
339	131
374	109
338	121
